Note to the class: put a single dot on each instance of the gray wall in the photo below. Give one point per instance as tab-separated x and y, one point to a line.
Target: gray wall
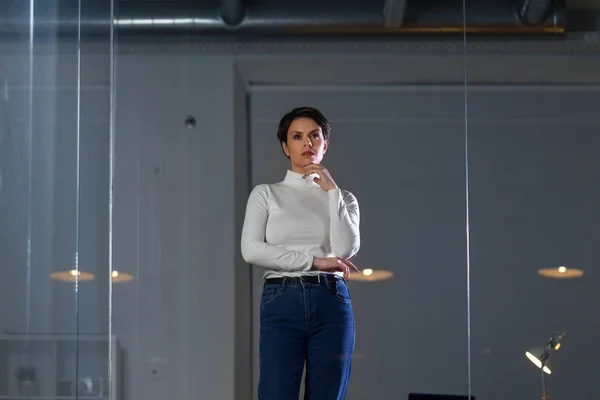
179	197
175	195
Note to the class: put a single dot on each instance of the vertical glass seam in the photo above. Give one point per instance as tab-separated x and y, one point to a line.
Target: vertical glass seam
78	189
467	213
111	170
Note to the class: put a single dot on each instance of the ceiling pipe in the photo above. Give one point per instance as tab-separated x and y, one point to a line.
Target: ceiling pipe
486	17
534	12
232	11
393	12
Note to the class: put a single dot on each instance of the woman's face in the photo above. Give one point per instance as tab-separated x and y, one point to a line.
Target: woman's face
305	143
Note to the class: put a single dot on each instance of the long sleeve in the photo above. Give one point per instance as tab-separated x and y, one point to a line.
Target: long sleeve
344	223
254	248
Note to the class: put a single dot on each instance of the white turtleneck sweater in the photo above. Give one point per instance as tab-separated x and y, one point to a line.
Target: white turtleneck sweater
289	223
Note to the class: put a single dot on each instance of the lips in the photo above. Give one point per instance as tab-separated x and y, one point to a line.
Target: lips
308	154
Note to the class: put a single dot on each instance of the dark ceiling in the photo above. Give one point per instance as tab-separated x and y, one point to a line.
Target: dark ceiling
315	17
375	17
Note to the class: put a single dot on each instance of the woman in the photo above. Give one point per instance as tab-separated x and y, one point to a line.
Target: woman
303	231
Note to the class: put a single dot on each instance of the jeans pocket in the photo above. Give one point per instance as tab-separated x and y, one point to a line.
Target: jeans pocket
268	295
342	291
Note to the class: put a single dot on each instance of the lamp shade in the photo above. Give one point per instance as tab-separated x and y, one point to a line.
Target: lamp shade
541	358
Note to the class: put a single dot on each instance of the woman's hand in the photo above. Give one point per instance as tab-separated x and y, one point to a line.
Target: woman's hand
334	264
325	181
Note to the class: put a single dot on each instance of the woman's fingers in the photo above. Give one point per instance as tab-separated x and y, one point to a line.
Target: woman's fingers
346	273
339	265
350	265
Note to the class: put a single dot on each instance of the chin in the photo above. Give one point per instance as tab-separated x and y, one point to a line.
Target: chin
307	161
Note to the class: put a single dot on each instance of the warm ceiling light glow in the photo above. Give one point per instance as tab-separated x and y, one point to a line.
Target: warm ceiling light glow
72	276
82	276
561	272
371	275
121	277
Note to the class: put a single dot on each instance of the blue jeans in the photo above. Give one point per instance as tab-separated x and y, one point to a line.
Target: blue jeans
306	322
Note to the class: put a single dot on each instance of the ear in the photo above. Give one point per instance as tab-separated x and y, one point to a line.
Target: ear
325	146
285	148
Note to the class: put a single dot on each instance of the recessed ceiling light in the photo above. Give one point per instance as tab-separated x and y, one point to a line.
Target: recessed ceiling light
561	272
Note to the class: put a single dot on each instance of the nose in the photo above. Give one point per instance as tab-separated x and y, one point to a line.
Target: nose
308	142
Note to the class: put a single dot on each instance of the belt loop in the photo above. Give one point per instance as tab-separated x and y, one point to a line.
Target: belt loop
327	281
332	283
284	282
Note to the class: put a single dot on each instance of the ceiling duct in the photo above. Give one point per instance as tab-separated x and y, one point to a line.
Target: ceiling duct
231	18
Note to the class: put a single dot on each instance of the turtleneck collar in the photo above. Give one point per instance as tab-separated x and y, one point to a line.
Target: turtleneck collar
296	178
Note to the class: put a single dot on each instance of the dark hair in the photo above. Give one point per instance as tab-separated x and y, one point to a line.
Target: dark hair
302	112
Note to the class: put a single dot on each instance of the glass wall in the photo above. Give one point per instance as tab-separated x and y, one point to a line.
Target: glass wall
398	144
121	205
533	207
400	150
55	76
196	130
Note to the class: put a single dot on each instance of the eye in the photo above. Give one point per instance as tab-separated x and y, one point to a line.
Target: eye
296	137
316	135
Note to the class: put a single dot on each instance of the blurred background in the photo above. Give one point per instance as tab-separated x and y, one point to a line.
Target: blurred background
132	131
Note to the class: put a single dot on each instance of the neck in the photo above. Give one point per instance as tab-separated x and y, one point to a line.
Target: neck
297	169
